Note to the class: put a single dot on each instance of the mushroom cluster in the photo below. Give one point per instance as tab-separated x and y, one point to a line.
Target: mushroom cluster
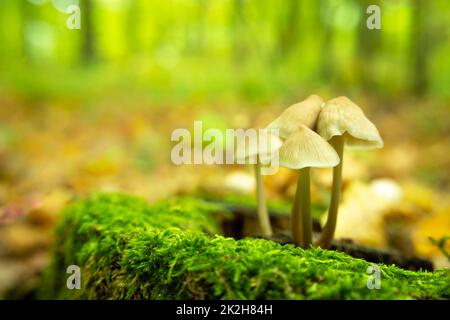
313	134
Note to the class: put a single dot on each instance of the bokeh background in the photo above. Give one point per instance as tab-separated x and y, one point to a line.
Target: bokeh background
92	110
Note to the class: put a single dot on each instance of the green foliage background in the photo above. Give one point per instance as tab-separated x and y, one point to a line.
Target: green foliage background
224	50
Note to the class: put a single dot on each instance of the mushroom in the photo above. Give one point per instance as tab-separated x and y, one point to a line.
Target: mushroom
305	113
301	150
260	154
342	122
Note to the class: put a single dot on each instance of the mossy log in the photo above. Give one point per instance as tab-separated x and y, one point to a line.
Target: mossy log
128	249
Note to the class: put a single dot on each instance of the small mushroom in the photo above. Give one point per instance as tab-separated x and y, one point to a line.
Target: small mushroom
301	150
259	154
305	113
342	122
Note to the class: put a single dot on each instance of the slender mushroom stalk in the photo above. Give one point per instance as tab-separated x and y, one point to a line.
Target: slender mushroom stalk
301	225
261	153
296	218
302	150
328	231
263	215
305	206
343	123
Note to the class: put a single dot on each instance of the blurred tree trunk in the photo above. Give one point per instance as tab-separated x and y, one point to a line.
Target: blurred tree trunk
369	42
202	12
27	14
195	33
326	30
18	44
87	28
133	26
289	27
238	22
420	47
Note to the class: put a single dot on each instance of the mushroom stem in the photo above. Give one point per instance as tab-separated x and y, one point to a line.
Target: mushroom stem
301	221
305	206
296	218
328	231
263	215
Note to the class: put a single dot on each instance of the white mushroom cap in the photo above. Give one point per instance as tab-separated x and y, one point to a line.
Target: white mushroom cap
305	148
340	116
267	144
305	113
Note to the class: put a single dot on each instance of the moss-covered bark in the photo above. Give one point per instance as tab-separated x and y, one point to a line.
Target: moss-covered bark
128	249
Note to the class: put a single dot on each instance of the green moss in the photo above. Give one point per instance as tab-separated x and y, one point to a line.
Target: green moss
128	249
